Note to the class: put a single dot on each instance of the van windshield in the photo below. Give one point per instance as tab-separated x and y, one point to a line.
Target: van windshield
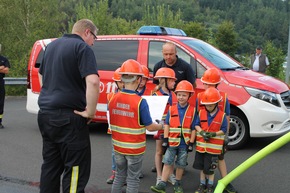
218	58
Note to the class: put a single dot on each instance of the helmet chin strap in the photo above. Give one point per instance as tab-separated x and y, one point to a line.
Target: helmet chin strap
140	79
166	85
216	105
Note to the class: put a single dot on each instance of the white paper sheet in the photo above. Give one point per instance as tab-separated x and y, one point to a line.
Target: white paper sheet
157	106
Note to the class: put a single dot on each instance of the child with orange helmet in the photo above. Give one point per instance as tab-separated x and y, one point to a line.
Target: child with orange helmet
142	89
166	77
119	84
212	78
129	119
211	127
179	135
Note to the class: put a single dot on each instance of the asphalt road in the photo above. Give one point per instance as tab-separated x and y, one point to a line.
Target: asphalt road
20	159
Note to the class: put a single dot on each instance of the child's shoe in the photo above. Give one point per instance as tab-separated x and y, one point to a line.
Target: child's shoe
110	180
172	179
159	188
201	189
177	188
209	189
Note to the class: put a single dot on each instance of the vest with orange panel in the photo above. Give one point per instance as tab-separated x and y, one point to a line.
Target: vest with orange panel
221	104
177	130
214	144
174	102
128	135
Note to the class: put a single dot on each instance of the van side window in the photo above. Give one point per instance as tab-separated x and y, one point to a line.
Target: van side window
39	59
155	55
111	54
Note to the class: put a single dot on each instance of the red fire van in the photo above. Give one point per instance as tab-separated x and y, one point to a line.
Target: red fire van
260	104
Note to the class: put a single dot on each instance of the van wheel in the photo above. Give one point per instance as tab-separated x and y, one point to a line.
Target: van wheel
239	129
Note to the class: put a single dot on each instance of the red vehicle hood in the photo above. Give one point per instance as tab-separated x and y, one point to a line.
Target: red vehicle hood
253	79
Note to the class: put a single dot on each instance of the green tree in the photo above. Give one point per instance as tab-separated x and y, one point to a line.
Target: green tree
25	22
226	38
276	59
196	30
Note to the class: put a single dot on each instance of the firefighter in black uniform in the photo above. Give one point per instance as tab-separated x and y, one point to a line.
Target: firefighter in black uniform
67	101
4	69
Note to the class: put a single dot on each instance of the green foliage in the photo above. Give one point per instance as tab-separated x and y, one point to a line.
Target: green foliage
14	90
226	38
196	30
235	26
276	59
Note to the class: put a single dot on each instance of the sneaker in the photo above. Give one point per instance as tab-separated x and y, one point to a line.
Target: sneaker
230	189
178	189
153	169
209	189
158	180
1	126
172	179
110	180
201	189
159	188
141	175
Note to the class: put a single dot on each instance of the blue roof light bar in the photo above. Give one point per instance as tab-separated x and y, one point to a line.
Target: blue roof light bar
159	30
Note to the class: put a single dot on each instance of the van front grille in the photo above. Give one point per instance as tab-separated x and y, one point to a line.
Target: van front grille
286	98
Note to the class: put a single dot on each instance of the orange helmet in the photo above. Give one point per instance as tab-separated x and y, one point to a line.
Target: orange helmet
117	76
165	73
184	86
211	96
211	76
131	67
145	70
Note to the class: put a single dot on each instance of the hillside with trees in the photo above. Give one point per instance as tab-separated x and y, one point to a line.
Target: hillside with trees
236	27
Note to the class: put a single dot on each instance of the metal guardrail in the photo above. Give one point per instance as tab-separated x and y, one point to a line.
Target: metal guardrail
15	81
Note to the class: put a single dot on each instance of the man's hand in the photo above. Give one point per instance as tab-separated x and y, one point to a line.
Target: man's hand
85	115
190	147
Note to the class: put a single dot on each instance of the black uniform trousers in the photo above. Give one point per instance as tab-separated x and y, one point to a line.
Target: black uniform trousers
66	151
2	97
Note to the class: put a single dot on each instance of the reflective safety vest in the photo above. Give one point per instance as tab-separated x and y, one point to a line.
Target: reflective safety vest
174	102
128	135
147	92
215	144
109	96
221	104
177	130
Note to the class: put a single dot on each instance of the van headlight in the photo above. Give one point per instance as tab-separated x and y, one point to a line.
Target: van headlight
266	96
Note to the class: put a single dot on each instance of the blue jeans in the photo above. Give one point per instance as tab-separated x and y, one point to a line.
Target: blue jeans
113	159
128	168
177	154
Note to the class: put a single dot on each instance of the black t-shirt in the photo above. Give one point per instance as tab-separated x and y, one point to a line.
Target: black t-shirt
66	63
183	71
3	62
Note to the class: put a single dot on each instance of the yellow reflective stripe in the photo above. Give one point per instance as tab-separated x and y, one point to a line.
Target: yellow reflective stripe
128	145
1	116
174	139
74	179
209	145
136	131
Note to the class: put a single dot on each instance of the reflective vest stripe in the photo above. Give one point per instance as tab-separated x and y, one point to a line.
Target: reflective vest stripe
128	130
74	179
